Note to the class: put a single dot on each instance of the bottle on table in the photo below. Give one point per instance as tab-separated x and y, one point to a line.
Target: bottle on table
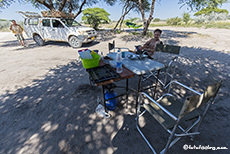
119	68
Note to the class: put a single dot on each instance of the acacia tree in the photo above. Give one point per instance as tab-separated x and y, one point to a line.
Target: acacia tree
69	6
95	16
129	5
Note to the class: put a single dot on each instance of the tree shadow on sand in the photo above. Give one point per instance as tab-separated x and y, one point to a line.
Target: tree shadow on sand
167	36
57	114
31	44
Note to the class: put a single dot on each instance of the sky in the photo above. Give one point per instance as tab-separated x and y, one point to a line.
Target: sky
164	9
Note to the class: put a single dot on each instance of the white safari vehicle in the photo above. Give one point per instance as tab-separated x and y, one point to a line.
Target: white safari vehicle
42	29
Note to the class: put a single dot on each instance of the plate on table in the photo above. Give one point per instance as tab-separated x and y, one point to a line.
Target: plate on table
133	57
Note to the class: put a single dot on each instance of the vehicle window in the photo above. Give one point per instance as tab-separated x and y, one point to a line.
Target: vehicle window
33	21
70	22
46	22
25	21
57	23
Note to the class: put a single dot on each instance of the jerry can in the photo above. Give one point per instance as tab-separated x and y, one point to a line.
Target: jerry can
111	104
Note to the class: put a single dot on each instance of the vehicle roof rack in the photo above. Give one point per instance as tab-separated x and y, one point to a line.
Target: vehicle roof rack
29	14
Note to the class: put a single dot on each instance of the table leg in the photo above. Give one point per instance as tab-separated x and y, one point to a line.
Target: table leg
103	93
158	73
127	88
138	90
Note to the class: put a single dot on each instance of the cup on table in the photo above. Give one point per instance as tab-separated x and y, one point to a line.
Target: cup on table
123	54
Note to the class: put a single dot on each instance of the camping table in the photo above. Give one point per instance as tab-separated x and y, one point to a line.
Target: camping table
126	74
139	67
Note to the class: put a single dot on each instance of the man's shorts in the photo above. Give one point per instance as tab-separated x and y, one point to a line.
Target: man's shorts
19	37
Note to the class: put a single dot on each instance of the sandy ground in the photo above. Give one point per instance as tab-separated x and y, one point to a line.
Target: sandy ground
48	106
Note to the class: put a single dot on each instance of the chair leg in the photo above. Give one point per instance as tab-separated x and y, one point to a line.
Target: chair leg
203	115
164	151
139	130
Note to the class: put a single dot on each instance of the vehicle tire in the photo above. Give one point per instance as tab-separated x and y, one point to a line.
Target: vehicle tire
37	38
75	42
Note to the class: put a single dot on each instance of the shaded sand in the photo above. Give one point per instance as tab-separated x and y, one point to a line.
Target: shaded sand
48	106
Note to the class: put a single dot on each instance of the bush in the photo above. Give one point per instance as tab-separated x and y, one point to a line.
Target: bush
186	18
149	34
174	21
134	20
156	19
4	25
211	17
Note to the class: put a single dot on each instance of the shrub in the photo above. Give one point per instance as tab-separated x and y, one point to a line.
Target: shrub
149	34
211	17
156	19
4	24
186	18
174	21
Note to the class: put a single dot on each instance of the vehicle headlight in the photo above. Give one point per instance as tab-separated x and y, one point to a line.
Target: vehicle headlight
82	32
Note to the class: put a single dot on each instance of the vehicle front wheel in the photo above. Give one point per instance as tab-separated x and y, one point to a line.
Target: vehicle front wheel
37	38
75	42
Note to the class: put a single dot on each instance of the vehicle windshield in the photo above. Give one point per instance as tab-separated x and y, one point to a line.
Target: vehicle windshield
70	22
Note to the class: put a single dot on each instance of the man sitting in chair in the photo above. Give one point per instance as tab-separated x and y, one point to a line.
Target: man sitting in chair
149	46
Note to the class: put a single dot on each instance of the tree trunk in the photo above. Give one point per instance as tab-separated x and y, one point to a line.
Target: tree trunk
142	12
117	23
146	23
121	22
62	5
124	14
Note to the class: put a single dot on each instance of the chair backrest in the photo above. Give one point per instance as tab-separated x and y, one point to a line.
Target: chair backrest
173	49
193	102
111	45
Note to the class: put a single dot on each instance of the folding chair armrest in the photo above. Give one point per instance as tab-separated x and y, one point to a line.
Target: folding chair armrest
167	94
182	85
121	48
171	61
155	102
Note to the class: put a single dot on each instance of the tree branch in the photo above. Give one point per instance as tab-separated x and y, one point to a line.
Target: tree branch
49	6
62	5
80	9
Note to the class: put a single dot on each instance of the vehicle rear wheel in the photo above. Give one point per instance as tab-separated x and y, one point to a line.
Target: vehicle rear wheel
75	42
37	38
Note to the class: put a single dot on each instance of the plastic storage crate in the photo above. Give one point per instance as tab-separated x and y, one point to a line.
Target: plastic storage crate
90	63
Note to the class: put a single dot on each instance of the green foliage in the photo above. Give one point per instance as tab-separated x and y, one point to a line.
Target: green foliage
186	18
174	21
95	16
200	4
4	25
149	34
210	17
156	19
208	10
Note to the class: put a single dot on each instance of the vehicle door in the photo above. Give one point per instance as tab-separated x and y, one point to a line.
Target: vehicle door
59	30
46	29
27	28
31	26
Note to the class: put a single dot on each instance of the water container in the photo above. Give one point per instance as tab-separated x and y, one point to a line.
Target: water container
111	104
119	68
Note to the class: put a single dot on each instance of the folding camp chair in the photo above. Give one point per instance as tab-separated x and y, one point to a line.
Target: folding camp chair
171	113
111	46
169	69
